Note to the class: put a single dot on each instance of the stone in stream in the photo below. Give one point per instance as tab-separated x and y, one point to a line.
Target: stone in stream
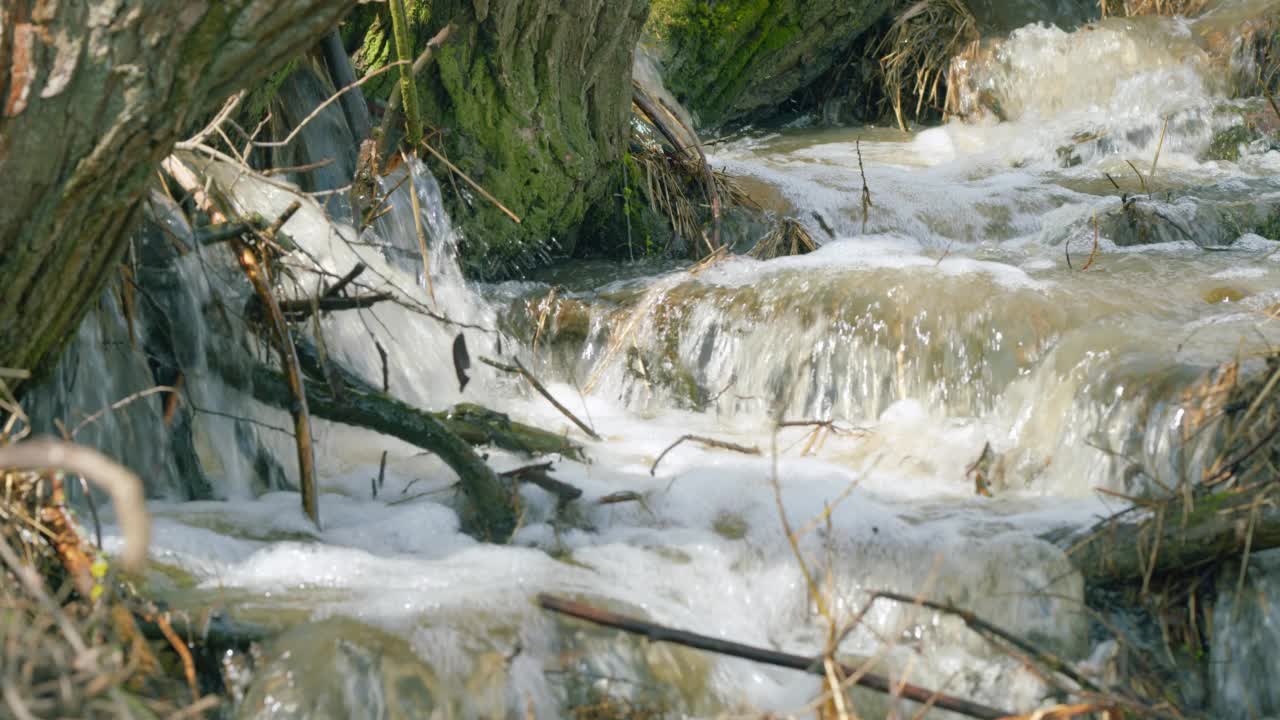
1243	663
341	669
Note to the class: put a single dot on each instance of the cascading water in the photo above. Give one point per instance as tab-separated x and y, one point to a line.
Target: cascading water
969	307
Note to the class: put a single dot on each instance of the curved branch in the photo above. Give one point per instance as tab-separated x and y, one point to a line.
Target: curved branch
121	484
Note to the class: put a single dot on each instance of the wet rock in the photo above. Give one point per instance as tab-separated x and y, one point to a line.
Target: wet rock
1021	584
1224	294
625	672
1243	663
1207	221
341	669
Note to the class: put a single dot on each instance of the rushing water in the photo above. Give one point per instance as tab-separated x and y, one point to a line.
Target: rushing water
968	307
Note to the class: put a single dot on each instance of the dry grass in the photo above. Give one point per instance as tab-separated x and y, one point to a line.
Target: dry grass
674	186
916	52
1255	60
1166	8
786	237
1250	415
77	651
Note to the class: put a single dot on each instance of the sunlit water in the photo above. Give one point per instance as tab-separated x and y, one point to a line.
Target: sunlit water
968	307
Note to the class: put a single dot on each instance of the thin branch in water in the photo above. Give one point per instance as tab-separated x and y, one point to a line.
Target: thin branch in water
708	442
1141	180
990	631
269	172
344	281
540	474
945	252
1094	252
1152	174
520	369
661	633
475	185
300	310
866	191
319	108
119	404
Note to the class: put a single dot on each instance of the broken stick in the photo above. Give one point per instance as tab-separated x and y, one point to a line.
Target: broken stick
520	369
709	442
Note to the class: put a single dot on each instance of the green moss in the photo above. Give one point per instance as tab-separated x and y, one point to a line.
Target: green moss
730	526
1270	228
534	115
258	103
1225	144
728	60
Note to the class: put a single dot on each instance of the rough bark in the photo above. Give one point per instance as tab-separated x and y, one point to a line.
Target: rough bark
473	423
533	98
735	60
92	95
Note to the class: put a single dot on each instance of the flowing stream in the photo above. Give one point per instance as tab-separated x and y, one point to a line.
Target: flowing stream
968	308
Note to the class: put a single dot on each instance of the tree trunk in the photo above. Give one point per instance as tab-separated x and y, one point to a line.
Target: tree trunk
735	61
92	96
533	98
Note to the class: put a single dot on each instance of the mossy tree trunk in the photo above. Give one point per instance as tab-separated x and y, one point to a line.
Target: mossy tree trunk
533	98
740	59
92	95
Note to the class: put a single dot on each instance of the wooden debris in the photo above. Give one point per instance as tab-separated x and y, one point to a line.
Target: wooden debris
660	633
709	442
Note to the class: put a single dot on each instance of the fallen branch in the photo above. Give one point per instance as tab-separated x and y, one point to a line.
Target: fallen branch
257	268
647	106
993	633
475	424
709	442
336	288
520	369
492	514
300	310
660	633
540	475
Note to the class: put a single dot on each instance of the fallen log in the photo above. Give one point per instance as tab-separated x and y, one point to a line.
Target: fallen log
1177	535
491	511
473	423
479	425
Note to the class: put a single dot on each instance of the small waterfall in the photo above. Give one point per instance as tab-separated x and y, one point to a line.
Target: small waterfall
987	301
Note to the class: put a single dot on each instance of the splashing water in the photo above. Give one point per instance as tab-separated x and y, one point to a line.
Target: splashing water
953	321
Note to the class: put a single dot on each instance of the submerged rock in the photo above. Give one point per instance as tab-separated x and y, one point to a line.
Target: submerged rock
1213	217
341	669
